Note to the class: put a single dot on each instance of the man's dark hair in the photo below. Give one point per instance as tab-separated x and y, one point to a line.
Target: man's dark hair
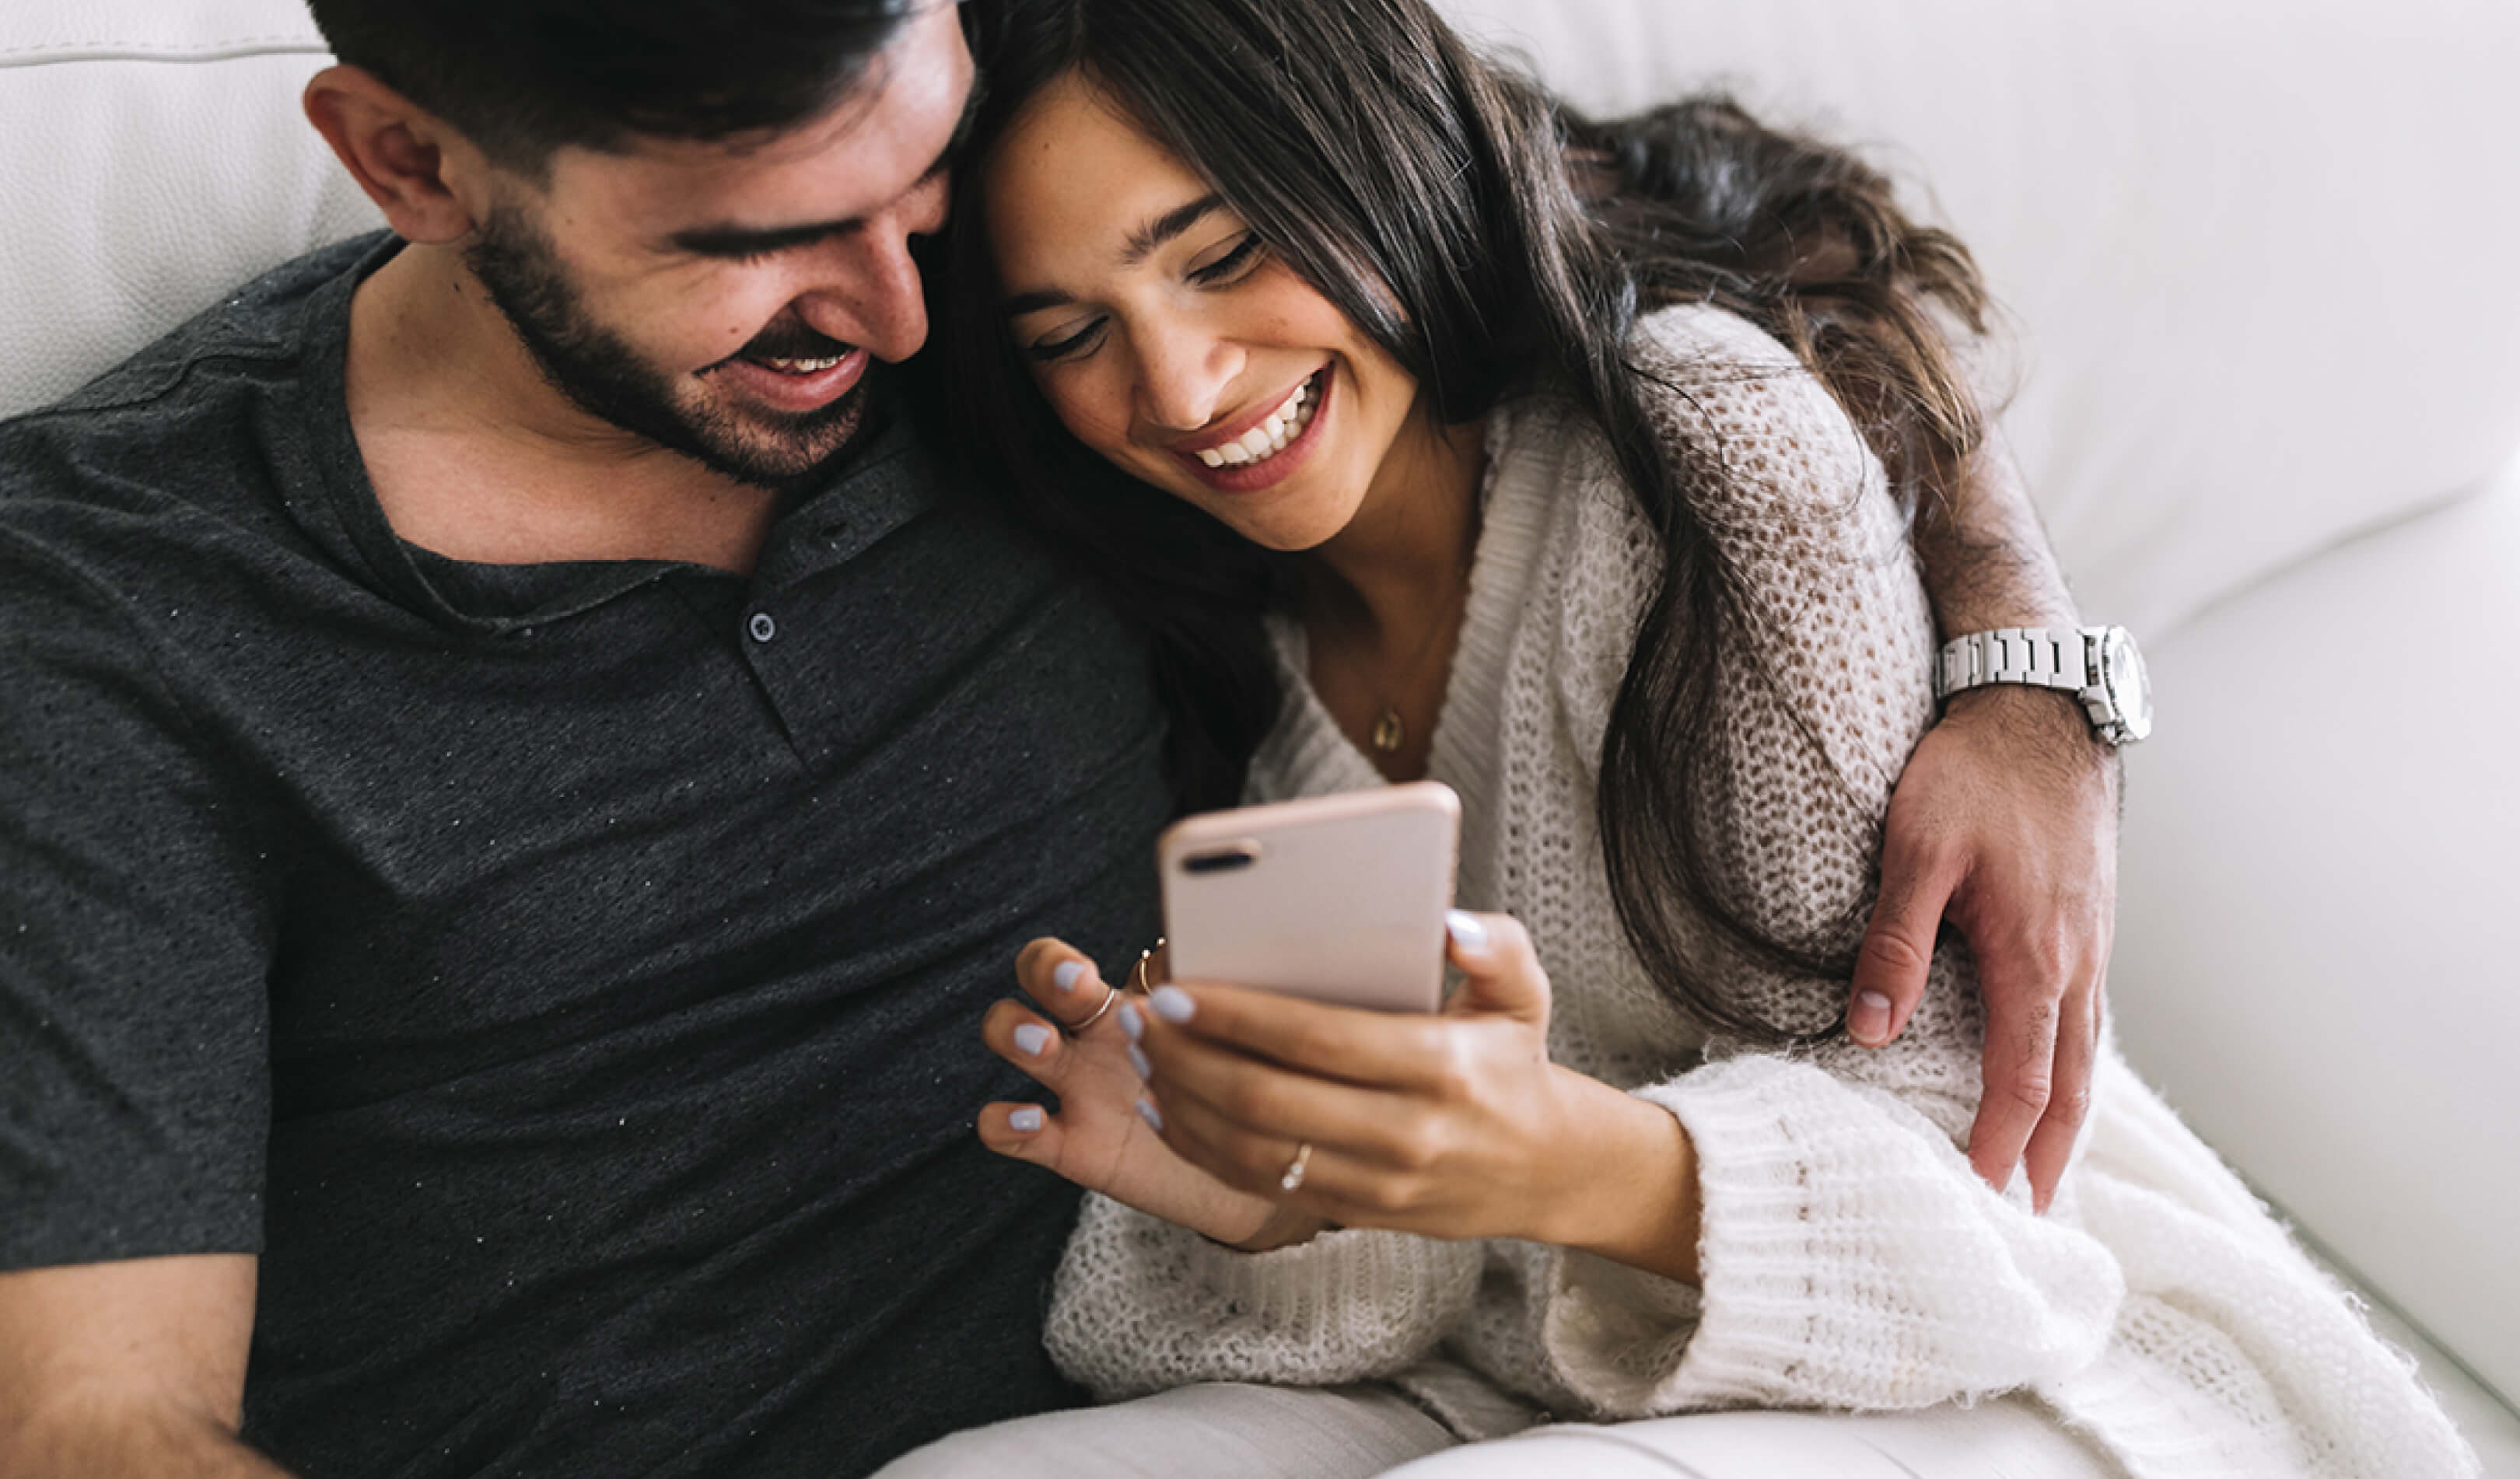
523	78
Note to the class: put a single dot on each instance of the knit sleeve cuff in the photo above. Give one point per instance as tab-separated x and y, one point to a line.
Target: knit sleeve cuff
1142	1304
1850	1258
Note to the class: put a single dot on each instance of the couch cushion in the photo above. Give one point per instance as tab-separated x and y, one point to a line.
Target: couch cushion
2263	285
156	157
2316	958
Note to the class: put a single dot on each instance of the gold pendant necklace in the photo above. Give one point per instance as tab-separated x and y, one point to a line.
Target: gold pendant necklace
1390	731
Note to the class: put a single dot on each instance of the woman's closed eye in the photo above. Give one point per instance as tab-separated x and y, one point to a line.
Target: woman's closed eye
1071	342
1233	265
1067	345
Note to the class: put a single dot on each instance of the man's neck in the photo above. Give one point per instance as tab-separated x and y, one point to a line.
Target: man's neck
476	457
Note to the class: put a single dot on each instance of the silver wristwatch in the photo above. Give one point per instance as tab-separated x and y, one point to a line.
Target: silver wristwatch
2098	664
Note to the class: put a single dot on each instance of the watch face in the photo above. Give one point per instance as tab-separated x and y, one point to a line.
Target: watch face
2130	689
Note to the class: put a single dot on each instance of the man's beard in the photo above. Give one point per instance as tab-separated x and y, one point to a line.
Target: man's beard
600	374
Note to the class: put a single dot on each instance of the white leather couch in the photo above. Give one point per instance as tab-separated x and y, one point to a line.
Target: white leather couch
2261	257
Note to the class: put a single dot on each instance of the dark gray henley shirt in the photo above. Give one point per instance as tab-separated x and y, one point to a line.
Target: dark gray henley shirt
567	978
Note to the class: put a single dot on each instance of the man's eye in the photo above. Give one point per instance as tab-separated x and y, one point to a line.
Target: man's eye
1074	343
1230	266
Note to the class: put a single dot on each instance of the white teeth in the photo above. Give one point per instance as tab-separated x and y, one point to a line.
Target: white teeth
1272	436
801	366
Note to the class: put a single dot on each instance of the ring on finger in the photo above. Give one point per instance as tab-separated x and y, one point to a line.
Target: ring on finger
1138	977
1293	1179
1110	995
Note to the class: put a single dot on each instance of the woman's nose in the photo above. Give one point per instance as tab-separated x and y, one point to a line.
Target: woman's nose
1183	374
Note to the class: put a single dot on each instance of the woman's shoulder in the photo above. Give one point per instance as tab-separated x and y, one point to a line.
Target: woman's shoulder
1713	364
1750	420
1703	339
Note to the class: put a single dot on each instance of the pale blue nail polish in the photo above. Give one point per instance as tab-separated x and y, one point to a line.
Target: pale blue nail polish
1033	1038
1131	1022
1024	1121
1172	1003
1138	1060
1467	930
1153	1116
1068	973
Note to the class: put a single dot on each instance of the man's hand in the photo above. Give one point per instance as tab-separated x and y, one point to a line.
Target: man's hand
2006	824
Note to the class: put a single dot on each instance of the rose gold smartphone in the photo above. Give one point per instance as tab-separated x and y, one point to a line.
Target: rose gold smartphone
1340	899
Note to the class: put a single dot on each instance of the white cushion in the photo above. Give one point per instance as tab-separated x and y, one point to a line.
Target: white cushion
157	158
2316	952
2259	249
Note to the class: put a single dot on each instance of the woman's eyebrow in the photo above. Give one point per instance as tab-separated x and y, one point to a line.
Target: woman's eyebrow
1144	240
1142	244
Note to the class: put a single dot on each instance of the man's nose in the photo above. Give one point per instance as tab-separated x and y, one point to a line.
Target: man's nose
874	299
1183	374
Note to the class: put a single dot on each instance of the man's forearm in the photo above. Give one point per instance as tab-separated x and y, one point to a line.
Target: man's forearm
98	1445
1987	562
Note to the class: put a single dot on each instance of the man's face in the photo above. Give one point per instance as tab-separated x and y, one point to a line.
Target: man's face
724	300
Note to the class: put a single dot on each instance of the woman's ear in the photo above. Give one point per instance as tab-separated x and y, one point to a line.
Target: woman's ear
418	170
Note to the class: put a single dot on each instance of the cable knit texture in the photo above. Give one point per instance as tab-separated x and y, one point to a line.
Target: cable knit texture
1851	1259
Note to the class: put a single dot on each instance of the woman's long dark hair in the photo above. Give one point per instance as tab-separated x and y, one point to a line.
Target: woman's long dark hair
1493	242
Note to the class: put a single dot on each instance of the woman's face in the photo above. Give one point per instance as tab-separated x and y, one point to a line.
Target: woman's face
1171	340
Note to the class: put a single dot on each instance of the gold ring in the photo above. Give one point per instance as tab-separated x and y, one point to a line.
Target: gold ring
1294	1177
1110	996
1138	977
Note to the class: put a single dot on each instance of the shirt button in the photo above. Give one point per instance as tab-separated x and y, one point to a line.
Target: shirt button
762	627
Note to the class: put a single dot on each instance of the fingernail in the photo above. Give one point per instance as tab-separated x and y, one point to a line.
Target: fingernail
1869	1022
1033	1038
1153	1116
1024	1121
1131	1022
1172	1003
1068	973
1467	930
1138	1060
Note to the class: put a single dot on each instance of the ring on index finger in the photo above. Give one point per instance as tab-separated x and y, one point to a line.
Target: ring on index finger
1138	977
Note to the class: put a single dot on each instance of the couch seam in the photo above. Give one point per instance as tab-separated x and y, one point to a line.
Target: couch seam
57	52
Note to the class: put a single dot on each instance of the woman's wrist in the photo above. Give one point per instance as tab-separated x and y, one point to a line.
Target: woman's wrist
1635	1196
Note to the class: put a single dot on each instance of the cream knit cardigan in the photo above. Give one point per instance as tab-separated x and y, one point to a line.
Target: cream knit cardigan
1851	1259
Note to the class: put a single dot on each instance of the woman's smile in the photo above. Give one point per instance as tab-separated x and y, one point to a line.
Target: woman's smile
1264	448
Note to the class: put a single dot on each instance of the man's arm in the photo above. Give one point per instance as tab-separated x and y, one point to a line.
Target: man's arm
130	1368
2006	822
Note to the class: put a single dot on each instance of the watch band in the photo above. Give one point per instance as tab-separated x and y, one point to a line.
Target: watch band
2057	658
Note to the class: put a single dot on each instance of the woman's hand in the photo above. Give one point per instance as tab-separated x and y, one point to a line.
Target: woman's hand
1098	1139
1454	1125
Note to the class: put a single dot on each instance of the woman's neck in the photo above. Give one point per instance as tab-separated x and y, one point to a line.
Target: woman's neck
1407	551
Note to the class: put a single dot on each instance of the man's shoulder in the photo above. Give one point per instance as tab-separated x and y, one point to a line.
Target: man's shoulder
182	423
263	321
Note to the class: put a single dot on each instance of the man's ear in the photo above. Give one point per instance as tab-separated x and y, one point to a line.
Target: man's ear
428	179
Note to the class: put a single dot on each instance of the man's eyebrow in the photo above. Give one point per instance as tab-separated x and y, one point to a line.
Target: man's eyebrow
733	240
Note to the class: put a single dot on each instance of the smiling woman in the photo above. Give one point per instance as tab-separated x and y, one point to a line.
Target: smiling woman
1168	337
1436	432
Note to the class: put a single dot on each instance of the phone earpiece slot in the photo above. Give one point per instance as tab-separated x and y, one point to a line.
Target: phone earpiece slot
1232	858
